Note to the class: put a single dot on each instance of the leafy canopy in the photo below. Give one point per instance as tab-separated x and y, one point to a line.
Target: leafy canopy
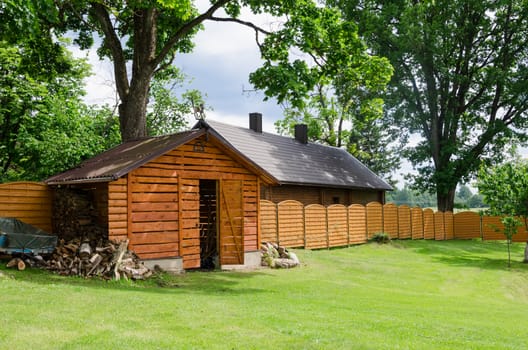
460	80
329	82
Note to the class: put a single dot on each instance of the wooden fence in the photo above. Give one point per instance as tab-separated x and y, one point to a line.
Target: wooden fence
292	224
27	201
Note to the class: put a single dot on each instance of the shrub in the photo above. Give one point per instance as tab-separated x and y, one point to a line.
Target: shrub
381	238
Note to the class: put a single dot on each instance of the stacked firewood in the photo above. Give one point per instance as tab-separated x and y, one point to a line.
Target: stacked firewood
74	215
106	259
276	256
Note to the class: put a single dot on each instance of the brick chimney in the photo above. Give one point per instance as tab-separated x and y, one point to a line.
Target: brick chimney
255	122
301	133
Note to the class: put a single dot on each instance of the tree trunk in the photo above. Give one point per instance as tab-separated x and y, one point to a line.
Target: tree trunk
526	254
445	201
133	112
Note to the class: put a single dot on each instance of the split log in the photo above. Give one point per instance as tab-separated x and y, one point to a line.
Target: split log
18	263
105	260
118	256
85	251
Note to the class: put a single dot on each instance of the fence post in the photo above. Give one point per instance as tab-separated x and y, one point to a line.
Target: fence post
327	229
366	223
304	224
277	222
348	226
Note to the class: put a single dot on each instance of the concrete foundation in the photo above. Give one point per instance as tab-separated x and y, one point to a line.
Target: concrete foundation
174	265
251	261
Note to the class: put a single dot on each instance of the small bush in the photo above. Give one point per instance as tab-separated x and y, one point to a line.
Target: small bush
381	238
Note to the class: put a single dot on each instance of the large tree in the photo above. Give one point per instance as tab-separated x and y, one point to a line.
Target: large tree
460	81
334	86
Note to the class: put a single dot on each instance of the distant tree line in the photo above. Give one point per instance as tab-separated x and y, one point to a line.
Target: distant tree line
464	198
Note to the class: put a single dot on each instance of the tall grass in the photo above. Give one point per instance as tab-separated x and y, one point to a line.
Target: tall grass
403	295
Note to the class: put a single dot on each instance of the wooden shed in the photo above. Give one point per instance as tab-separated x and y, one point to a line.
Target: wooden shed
190	199
182	200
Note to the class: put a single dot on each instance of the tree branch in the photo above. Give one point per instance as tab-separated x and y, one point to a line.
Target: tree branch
114	44
186	29
245	23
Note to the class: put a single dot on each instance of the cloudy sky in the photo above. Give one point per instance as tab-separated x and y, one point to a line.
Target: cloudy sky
224	56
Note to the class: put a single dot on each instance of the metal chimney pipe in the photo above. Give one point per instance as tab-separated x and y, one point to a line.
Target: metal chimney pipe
255	122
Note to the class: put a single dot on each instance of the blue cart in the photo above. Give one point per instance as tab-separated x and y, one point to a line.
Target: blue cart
18	237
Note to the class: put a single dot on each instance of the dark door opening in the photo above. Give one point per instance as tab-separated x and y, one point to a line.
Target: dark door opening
208	224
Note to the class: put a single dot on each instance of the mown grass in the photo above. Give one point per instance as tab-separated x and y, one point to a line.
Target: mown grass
405	295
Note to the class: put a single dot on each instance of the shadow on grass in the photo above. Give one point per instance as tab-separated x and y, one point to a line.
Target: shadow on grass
211	282
490	255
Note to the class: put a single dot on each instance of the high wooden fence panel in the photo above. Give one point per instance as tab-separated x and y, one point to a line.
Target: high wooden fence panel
315	223
404	222
417	223
374	218
428	224
29	202
291	224
268	221
357	224
390	220
439	226
491	228
449	228
467	225
337	225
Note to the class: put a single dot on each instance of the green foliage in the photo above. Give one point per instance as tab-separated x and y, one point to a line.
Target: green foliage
45	128
168	113
411	197
333	85
505	189
459	80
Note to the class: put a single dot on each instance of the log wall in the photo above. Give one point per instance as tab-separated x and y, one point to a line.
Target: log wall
316	195
157	205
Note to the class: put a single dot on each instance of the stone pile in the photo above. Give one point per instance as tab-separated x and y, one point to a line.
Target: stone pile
275	256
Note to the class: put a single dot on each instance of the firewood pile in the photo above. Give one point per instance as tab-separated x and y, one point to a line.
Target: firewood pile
106	259
275	256
74	215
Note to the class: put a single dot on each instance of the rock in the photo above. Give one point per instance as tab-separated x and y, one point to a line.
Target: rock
284	263
294	257
276	256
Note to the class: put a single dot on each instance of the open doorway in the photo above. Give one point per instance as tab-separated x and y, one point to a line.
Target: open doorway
208	224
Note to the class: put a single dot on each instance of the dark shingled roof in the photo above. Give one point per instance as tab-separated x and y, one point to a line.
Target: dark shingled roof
292	162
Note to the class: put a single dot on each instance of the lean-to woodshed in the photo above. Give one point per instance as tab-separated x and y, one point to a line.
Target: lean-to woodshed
184	201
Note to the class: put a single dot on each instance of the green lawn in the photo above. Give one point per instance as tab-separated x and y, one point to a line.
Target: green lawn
406	295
